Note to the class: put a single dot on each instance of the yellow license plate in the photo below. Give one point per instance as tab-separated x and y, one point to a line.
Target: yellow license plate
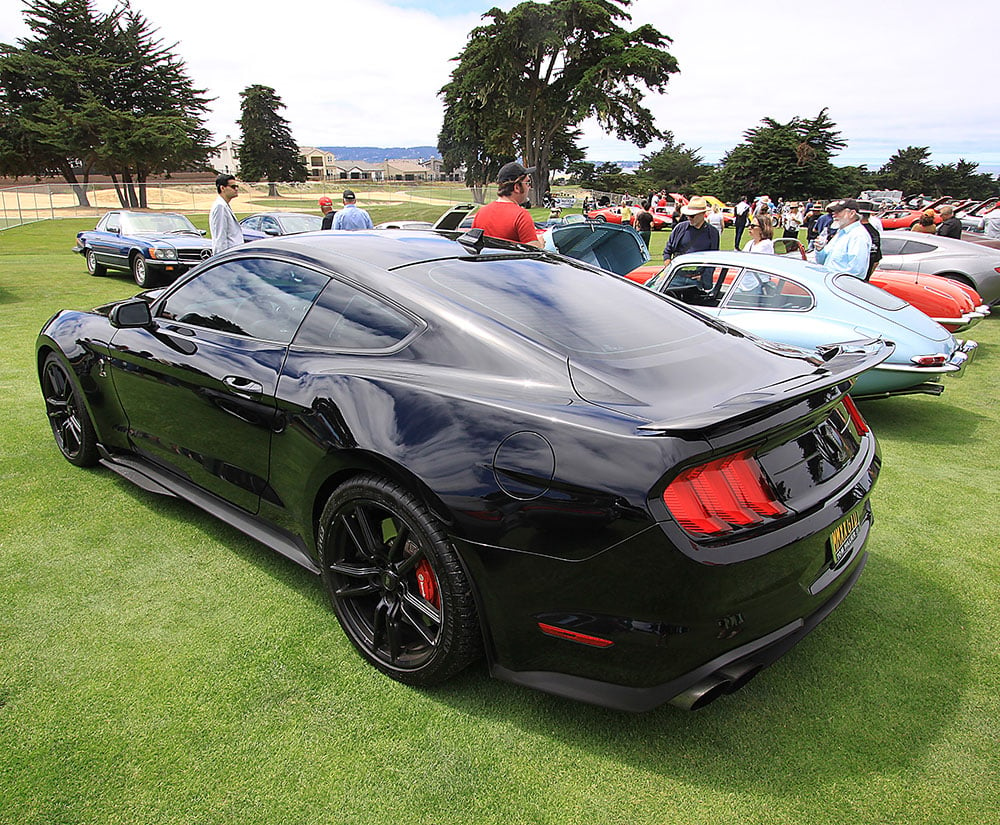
846	532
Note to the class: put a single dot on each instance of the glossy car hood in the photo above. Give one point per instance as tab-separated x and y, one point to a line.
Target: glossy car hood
172	238
617	249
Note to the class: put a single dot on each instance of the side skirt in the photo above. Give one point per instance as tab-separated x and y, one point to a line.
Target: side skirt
151	478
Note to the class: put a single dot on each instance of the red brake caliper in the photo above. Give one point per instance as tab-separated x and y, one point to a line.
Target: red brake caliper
427	583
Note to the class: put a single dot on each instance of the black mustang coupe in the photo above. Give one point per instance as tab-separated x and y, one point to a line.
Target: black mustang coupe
485	449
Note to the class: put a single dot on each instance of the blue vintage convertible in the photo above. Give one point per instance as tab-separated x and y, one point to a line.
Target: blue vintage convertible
798	303
155	247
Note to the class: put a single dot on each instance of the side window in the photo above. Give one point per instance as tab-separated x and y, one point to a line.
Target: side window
257	297
892	246
762	290
270	226
699	284
113	222
251	223
915	248
344	318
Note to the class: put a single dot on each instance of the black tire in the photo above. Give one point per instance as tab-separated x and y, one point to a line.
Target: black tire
93	267
142	274
68	417
601	219
396	583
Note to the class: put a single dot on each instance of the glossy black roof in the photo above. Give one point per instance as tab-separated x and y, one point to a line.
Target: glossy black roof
389	248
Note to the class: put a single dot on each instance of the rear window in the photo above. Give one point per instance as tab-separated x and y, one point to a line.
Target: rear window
868	292
574	310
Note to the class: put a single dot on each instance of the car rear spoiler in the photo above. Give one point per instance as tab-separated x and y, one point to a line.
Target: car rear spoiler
835	364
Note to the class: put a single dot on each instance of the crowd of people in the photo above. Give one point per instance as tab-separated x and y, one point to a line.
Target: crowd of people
844	235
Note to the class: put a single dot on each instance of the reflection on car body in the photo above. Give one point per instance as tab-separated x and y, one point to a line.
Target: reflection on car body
489	450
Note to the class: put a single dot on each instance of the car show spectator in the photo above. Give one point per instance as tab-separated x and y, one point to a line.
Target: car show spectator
849	250
716	218
925	223
950	226
326	207
695	234
791	221
222	224
814	214
644	223
761	236
991	222
352	216
825	228
505	218
741	212
865	210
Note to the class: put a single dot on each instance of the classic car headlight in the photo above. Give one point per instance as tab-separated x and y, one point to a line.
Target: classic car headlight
163	253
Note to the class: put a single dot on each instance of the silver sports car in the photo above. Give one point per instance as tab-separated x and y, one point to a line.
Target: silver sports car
971	263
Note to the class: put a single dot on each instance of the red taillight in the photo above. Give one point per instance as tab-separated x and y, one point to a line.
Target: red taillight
722	495
929	360
855	414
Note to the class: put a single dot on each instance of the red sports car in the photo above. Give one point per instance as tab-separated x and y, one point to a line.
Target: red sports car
903	218
613	214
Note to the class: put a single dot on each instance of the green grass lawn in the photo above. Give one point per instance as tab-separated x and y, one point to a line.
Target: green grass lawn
159	667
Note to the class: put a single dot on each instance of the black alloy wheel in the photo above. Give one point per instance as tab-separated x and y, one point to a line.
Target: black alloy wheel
396	583
93	267
71	425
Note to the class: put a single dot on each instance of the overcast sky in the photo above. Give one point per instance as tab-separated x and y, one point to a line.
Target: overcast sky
892	73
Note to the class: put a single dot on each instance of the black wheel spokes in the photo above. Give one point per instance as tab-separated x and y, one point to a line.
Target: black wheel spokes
62	411
378	589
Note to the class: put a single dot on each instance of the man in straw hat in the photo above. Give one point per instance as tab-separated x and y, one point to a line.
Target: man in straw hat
695	234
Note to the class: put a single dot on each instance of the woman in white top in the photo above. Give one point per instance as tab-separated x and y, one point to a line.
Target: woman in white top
761	236
715	219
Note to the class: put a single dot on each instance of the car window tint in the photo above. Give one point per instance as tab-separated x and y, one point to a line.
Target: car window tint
868	292
577	311
269	224
258	297
345	318
251	223
891	245
916	248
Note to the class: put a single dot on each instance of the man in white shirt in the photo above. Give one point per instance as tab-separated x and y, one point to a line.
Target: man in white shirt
850	249
222	223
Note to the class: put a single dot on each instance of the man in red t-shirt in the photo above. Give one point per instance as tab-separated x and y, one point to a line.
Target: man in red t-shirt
505	218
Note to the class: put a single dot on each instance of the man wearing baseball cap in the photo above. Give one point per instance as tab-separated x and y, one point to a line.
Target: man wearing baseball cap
352	216
505	218
850	249
326	207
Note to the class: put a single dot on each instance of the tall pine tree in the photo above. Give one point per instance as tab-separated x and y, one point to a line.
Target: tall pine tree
268	151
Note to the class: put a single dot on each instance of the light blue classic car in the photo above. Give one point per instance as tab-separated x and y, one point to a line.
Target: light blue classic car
805	305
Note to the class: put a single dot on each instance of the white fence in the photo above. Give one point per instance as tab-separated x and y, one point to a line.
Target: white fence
45	201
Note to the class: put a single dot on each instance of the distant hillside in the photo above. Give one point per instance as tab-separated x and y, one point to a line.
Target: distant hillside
376	154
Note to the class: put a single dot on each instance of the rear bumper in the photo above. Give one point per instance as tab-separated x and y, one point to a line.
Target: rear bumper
695	689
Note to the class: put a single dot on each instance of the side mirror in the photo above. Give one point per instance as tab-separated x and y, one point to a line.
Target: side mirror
132	314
